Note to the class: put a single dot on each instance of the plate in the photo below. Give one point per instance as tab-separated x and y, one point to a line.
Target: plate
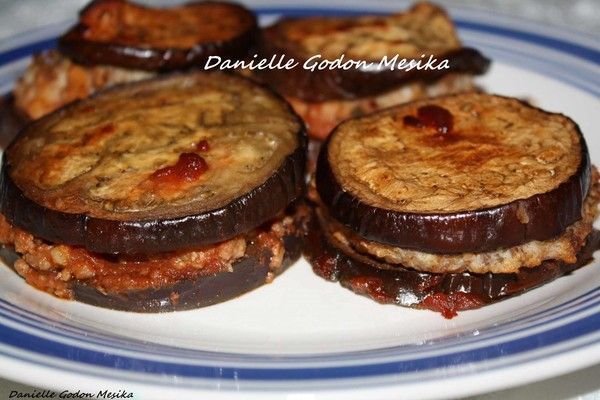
302	337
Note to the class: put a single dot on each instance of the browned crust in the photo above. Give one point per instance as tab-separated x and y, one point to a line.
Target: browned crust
444	293
116	32
143	235
340	84
479	230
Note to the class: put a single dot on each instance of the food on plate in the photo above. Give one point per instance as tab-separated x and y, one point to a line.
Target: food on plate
453	203
53	80
117	41
166	194
124	34
324	97
11	120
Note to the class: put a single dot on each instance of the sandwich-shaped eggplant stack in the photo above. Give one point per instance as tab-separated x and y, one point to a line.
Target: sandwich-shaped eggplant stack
128	35
453	203
324	97
116	41
160	195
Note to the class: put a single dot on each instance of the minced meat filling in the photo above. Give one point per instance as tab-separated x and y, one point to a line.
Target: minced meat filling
52	267
53	80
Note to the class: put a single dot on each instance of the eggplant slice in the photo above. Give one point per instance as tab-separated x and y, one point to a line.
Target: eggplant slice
425	29
155	166
119	33
444	293
464	173
11	120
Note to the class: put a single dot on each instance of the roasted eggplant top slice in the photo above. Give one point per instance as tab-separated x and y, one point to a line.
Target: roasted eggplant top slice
158	165
463	173
425	29
120	33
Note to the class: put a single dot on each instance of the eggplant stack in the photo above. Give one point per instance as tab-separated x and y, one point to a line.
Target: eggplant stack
167	194
325	97
453	203
116	41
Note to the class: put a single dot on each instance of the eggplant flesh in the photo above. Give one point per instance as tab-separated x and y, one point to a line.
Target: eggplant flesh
191	34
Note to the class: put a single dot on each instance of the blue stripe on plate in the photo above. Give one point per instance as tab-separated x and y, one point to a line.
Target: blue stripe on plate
558	44
575	330
453	346
563	46
26	51
88	337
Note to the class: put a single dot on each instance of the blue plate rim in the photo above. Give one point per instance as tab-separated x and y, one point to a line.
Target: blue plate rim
579	328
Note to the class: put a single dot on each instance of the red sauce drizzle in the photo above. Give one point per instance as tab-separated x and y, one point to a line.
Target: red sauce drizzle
411	120
448	305
189	167
370	286
202	146
431	116
436	117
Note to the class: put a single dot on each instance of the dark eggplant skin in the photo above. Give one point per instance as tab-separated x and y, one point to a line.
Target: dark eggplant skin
11	120
445	293
340	84
247	274
86	52
481	230
285	186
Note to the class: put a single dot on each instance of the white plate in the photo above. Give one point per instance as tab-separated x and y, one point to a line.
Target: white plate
304	338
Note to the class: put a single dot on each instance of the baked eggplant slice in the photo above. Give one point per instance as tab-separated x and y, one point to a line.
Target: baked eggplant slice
156	166
11	120
456	174
124	34
425	29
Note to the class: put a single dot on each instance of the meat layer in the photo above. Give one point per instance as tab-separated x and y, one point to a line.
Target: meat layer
509	260
54	268
444	293
53	80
